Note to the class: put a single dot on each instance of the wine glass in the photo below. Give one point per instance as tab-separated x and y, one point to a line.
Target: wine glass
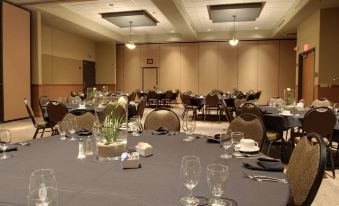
190	173
62	129
216	179
226	142
5	140
191	124
187	126
236	137
72	127
42	189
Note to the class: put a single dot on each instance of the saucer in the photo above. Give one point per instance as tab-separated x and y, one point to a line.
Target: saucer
251	149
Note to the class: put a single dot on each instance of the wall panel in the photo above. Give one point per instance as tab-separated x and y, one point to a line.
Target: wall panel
132	69
227	67
268	69
248	65
149	51
287	66
208	67
169	71
189	67
120	67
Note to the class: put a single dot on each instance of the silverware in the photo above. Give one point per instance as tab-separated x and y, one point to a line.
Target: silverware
260	178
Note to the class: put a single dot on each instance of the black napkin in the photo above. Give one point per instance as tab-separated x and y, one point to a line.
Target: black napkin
213	140
161	131
266	164
10	148
84	132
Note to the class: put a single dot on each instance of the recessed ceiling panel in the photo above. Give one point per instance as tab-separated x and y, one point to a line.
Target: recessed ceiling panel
243	12
139	18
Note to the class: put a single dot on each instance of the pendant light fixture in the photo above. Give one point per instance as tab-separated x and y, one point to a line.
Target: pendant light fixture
233	41
130	44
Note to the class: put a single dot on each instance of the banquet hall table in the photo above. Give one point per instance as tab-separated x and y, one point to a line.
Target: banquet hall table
157	182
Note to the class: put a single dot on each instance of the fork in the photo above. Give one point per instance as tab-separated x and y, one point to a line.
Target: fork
260	178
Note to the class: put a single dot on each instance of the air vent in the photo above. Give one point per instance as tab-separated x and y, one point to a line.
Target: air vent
243	12
139	18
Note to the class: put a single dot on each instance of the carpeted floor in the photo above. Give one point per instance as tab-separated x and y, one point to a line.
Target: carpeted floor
327	195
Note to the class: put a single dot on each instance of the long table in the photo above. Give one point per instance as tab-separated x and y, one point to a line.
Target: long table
90	182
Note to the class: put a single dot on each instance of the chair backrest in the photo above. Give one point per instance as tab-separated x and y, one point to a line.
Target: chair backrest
321	102
162	117
85	121
43	101
175	95
56	112
229	116
257	95
320	120
250	125
151	94
168	94
238	102
141	107
212	100
185	99
131	97
30	112
251	108
306	169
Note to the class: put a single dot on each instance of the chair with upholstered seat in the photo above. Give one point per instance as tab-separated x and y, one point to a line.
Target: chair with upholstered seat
152	98
38	124
306	169
132	96
321	120
43	101
85	121
188	106
167	98
212	104
225	109
238	102
56	112
321	102
251	126
162	118
141	107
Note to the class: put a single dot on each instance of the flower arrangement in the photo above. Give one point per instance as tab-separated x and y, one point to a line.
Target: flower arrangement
289	96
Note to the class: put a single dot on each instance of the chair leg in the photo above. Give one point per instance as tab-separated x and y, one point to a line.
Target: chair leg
36	132
332	162
42	133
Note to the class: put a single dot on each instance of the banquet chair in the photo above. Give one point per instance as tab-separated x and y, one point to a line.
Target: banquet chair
212	104
251	126
238	102
141	107
56	112
85	121
321	102
132	96
43	101
306	169
175	97
321	120
187	103
270	136
225	109
167	99
162	117
152	98
39	125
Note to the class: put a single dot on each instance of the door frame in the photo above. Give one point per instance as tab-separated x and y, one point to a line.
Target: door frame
142	75
300	71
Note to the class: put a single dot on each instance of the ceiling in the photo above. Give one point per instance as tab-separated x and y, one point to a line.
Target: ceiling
179	20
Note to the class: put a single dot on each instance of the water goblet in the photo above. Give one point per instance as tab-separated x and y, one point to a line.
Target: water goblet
62	129
190	171
42	189
72	127
226	143
216	179
5	140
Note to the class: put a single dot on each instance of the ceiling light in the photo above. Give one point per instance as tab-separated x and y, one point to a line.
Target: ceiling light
130	44
233	41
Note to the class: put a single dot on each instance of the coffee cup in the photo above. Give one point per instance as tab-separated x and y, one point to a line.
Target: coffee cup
248	143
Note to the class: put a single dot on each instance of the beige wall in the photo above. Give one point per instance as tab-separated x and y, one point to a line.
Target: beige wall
200	67
105	63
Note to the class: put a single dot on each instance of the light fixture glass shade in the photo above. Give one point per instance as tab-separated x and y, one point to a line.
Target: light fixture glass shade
233	42
130	45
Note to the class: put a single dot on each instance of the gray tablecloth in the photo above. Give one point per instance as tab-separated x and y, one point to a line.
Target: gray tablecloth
89	182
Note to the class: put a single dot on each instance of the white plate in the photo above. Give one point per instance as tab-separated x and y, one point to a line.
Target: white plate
252	149
286	115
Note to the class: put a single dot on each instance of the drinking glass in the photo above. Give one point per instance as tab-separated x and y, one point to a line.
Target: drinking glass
226	142
135	120
62	129
236	137
42	189
188	126
216	179
5	140
72	127
190	171
96	131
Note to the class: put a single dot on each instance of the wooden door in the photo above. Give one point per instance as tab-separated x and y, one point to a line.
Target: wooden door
307	63
149	78
88	75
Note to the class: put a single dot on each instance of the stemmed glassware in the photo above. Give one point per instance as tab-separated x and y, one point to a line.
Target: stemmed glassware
72	127
226	143
62	129
188	126
5	140
42	189
135	120
190	171
236	137
216	179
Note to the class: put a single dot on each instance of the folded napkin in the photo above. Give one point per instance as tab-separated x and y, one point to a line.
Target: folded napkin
266	164
213	140
161	131
84	132
10	148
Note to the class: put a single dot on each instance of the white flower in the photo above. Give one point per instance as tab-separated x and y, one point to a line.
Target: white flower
122	101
